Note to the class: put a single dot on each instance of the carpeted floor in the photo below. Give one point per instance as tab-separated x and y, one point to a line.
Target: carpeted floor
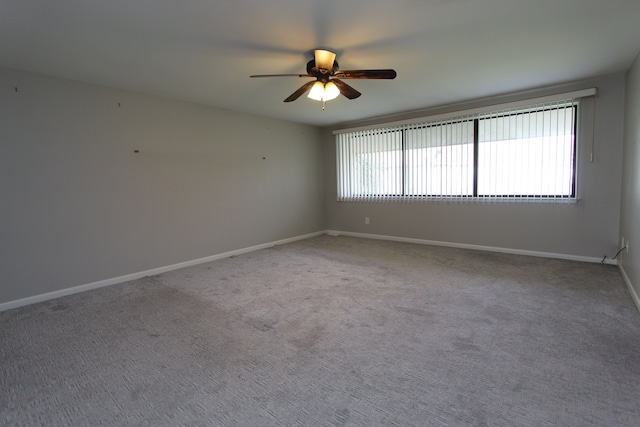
333	331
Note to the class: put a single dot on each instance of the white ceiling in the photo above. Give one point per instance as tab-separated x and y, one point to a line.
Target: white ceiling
203	51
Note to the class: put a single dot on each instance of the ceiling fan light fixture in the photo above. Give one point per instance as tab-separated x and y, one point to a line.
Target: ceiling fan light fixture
324	59
331	91
317	91
324	91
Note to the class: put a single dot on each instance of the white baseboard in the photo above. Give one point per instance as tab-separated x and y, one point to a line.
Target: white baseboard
121	279
473	247
128	277
632	290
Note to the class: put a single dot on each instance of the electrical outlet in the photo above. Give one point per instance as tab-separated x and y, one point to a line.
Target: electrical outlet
622	245
366	220
627	246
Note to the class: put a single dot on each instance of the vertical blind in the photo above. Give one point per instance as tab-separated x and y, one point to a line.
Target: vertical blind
527	153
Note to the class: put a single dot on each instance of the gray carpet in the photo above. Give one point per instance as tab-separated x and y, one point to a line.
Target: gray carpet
333	331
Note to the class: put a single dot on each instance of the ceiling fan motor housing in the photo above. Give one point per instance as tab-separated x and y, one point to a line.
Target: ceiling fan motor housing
320	73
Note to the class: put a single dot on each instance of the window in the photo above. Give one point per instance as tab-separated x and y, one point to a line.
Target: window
517	154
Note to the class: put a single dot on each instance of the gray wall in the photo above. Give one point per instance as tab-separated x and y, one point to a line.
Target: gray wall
630	211
586	229
79	206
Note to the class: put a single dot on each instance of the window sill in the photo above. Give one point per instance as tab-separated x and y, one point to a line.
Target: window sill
473	200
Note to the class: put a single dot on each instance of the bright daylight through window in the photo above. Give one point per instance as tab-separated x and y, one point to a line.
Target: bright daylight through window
522	154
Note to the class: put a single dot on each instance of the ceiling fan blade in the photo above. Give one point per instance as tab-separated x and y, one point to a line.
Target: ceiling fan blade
324	59
295	95
346	90
281	75
366	74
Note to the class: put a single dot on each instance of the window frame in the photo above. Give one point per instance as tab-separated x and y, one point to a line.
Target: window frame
568	101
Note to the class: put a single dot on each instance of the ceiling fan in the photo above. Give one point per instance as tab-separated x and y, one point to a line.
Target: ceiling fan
328	84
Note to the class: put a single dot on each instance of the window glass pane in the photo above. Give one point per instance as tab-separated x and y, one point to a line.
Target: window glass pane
377	163
527	154
439	160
